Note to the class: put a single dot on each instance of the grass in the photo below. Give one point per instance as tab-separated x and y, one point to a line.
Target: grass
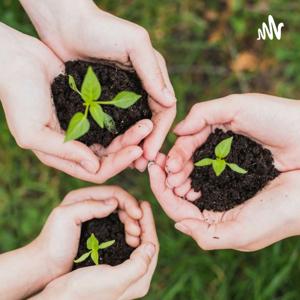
203	42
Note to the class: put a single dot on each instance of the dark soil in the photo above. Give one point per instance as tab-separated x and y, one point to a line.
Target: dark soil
106	229
113	79
230	188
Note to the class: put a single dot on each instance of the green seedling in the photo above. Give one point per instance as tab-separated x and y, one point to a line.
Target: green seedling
90	93
219	164
92	244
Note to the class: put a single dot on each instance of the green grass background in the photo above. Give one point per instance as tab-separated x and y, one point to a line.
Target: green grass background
201	40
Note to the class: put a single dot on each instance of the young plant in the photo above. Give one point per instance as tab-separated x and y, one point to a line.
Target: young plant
92	244
219	164
90	92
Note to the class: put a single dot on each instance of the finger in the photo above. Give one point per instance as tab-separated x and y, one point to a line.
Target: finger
137	266
132	241
177	179
141	164
125	201
52	143
161	160
131	225
86	210
162	121
133	136
111	165
208	113
210	237
183	189
143	58
184	149
192	195
176	208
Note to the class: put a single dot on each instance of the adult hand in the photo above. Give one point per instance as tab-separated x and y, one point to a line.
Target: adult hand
129	280
270	216
91	33
28	68
59	238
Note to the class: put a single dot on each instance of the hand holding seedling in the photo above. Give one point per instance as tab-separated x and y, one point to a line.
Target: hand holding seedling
124	42
270	216
130	280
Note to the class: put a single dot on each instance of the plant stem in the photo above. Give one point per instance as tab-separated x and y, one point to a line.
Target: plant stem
86	110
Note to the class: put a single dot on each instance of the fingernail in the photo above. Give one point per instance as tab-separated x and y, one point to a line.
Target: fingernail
110	202
149	249
150	164
168	184
89	166
180	227
169	96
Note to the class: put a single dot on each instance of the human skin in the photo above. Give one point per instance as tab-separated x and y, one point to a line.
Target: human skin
51	254
268	217
28	68
87	32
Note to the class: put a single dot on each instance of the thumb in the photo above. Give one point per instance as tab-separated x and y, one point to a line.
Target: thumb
137	266
52	143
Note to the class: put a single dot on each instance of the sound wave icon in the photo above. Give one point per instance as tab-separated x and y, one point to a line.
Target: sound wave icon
270	29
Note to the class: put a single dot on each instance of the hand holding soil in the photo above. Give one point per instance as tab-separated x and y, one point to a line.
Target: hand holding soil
129	280
263	119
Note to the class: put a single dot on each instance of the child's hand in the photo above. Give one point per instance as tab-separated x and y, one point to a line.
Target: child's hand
59	239
130	280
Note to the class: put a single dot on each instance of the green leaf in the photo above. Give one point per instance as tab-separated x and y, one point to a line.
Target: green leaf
78	126
73	85
109	123
95	257
219	166
92	243
204	162
125	99
106	244
223	148
97	114
236	168
91	87
82	257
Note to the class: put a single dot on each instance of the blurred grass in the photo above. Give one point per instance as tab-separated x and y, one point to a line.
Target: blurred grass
211	50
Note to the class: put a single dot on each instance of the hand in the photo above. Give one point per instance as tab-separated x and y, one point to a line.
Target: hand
59	238
28	68
270	216
130	280
104	36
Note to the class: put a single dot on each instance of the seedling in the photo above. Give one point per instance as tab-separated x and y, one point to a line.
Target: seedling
90	92
219	164
92	244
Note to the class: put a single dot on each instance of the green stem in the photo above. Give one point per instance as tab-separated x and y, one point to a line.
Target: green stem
86	110
105	102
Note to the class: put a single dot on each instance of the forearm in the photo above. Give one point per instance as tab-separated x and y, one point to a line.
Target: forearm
23	272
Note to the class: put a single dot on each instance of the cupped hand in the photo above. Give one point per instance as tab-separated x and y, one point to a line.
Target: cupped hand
130	280
58	241
91	33
270	216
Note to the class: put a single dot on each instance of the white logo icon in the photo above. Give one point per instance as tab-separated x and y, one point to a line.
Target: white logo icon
270	30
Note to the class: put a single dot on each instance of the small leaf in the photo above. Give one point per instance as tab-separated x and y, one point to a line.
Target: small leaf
204	162
72	84
91	87
219	166
95	257
125	99
236	168
82	258
106	244
223	148
92	242
78	126
109	123
97	114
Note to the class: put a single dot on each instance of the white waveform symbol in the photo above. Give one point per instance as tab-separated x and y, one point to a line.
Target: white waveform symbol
270	30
